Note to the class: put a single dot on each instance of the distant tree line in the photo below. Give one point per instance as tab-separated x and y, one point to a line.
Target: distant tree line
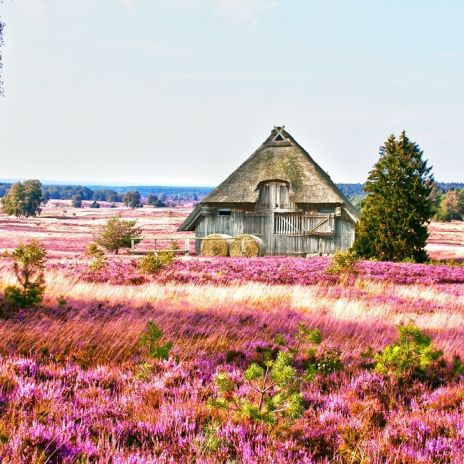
447	198
111	194
66	192
355	192
156	196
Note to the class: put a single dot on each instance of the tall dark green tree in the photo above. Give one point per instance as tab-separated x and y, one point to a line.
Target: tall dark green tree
398	206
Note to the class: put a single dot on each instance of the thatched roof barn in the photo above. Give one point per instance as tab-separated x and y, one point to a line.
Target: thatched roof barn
283	196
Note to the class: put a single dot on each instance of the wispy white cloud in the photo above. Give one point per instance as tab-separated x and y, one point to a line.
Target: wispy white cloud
243	11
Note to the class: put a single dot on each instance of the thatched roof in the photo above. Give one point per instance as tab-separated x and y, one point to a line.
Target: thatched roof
280	157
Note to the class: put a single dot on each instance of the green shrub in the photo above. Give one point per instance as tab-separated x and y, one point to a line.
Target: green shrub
153	262
99	258
29	266
150	341
409	357
26	297
343	262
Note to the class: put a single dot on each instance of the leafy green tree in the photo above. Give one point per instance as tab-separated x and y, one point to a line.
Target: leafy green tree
76	201
29	266
133	199
23	199
118	233
451	206
151	199
436	194
397	207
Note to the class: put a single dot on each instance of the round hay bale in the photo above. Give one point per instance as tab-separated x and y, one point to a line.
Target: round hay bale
215	245
246	245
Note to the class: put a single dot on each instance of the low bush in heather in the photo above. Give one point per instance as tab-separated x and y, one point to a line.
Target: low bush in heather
29	266
343	262
154	261
100	260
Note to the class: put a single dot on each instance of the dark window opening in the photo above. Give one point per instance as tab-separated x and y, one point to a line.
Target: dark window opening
224	212
279	138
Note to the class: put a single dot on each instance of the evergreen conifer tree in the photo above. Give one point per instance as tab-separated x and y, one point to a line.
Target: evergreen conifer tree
397	207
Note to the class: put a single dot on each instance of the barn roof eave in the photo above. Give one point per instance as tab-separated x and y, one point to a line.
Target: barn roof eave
353	215
189	224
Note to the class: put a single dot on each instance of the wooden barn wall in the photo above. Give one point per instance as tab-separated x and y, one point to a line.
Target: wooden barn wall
215	224
262	224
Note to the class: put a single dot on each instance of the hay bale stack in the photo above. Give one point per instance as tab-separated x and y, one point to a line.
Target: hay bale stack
246	245
215	245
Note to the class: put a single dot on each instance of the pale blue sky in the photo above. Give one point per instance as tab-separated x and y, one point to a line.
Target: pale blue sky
182	91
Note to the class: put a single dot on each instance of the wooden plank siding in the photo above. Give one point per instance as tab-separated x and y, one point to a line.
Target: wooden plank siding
283	233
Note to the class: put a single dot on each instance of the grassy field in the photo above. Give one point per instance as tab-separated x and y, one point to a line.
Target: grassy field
76	385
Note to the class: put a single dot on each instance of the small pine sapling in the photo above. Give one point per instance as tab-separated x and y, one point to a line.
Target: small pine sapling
273	391
29	267
409	357
150	341
99	258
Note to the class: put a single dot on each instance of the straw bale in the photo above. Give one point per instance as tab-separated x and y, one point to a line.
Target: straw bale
216	245
246	245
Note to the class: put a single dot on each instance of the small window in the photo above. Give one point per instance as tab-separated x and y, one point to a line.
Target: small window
224	212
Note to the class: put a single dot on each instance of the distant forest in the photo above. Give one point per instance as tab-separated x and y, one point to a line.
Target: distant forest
354	192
